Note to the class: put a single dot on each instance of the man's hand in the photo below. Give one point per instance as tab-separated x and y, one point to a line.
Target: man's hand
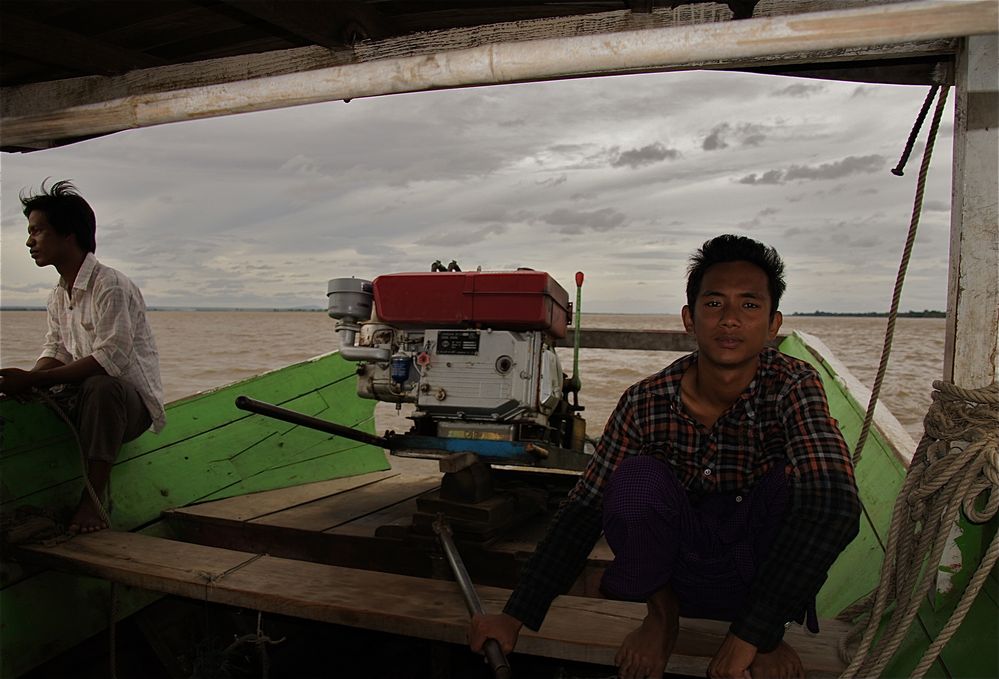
733	659
781	663
502	627
16	382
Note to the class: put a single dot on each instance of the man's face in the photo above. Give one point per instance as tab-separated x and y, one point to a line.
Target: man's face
731	314
46	245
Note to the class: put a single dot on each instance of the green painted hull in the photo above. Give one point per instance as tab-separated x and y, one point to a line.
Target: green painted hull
972	651
209	450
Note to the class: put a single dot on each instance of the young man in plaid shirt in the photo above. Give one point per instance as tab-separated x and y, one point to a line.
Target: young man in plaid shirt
722	484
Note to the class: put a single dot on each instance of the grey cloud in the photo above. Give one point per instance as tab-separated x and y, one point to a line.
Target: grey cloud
492	215
799	90
864	242
936	206
715	140
840	168
579	221
647	155
552	182
517	122
463	237
759	218
835	170
747	134
768	177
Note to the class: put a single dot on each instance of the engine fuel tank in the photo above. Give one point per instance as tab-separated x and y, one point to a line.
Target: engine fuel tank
511	300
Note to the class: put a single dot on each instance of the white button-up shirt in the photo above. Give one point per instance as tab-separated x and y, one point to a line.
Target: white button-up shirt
106	318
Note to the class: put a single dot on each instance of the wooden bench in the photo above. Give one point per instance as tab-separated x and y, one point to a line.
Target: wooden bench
577	628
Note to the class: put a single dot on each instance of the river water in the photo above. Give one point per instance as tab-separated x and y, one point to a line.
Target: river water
204	349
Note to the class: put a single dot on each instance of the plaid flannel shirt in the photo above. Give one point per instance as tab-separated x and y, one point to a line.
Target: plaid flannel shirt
782	417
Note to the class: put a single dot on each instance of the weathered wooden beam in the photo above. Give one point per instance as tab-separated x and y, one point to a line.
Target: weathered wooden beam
971	350
714	45
577	628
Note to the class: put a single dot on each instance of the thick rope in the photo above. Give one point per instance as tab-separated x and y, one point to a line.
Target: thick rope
899	169
956	466
917	208
51	403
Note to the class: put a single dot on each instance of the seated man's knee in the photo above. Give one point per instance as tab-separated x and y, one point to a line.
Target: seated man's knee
641	484
103	387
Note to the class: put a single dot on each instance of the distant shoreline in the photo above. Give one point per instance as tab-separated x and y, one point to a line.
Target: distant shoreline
926	313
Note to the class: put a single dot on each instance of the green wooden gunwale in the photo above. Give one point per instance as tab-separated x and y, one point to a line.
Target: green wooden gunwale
209	450
972	651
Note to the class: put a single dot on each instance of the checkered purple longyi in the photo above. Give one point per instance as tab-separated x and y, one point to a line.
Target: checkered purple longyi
706	548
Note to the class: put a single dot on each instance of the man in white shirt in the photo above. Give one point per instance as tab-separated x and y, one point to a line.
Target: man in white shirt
98	342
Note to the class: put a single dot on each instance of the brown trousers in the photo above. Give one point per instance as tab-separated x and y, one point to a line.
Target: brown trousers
107	413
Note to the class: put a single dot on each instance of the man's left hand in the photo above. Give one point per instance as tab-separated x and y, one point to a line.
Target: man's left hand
733	659
16	382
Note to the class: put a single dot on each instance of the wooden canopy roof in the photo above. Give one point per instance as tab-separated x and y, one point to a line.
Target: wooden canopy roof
67	67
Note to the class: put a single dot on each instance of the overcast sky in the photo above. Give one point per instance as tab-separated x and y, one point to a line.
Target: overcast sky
621	178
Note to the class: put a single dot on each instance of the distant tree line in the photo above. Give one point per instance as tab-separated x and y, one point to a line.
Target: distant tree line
925	313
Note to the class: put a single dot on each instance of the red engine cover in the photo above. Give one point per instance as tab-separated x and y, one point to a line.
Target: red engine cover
514	300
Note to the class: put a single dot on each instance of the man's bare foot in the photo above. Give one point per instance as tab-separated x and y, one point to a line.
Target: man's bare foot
781	663
645	651
87	518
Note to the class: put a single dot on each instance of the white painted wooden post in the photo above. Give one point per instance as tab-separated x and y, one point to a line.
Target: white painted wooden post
971	353
971	350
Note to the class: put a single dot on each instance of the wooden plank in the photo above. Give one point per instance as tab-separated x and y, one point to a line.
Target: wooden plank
580	629
326	514
255	505
740	44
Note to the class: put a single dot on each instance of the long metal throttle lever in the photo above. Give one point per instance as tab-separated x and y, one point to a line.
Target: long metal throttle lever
494	654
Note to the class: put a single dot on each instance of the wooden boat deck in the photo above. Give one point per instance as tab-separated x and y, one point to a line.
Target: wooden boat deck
337	552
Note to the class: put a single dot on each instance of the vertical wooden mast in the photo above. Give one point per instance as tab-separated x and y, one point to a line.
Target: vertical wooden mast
971	352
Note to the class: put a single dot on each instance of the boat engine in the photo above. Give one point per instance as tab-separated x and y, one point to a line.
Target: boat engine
473	351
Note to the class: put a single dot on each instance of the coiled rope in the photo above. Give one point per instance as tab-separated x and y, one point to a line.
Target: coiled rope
955	464
91	492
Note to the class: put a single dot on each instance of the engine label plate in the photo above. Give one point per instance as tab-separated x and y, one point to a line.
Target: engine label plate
458	342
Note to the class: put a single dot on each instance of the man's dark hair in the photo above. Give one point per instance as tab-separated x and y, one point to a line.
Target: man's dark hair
67	212
729	248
